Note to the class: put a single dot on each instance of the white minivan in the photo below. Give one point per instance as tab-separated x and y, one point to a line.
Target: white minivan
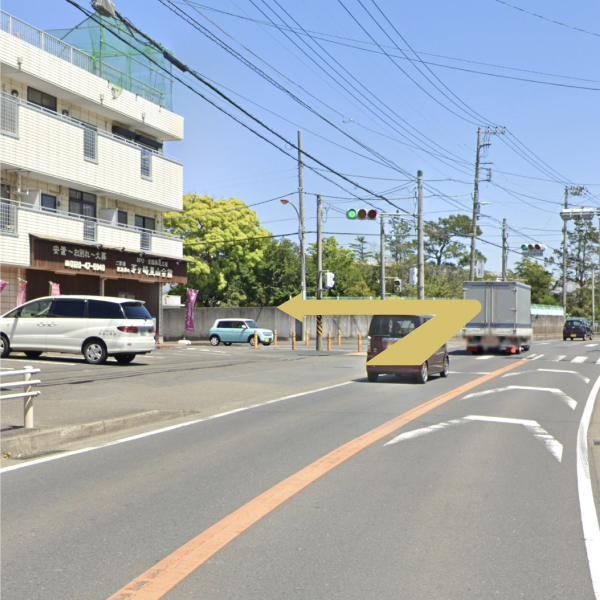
95	326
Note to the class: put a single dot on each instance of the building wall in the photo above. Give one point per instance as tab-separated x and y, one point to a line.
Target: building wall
87	88
117	170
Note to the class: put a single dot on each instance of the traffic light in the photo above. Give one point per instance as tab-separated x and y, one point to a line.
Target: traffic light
412	276
397	286
329	279
532	247
361	214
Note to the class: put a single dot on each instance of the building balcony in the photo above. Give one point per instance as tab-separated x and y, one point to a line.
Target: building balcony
40	60
59	149
19	220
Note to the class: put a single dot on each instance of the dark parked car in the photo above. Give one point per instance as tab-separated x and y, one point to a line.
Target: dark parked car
388	329
575	328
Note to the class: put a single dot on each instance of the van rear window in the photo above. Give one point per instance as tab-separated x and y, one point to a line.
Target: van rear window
395	326
574	323
101	309
136	310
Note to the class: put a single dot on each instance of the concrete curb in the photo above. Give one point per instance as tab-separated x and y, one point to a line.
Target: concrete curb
40	440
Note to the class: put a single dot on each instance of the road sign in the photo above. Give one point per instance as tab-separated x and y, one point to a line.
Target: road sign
479	271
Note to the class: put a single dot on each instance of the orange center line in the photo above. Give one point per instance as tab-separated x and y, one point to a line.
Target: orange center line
166	574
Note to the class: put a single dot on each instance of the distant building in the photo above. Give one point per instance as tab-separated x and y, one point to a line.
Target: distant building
85	182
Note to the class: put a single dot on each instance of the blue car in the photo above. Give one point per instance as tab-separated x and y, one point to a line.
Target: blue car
230	331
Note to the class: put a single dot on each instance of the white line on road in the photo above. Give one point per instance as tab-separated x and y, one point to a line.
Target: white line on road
538	356
597	362
566	399
166	429
589	518
558	358
542	343
484	357
471	372
552	445
591	345
586	379
43	362
579	359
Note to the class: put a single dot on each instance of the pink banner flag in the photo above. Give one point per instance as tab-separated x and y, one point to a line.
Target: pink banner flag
189	310
21	297
55	289
3	284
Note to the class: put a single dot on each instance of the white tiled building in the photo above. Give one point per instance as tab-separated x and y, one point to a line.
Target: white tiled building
83	174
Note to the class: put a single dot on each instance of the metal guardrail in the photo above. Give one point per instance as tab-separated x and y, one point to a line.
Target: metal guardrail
8	218
47	43
28	395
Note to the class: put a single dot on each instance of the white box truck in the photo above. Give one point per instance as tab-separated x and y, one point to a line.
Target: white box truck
504	322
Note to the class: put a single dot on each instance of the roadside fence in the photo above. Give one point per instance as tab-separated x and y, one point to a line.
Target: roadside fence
26	383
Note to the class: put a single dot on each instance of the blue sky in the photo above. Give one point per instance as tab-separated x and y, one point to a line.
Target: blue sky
403	120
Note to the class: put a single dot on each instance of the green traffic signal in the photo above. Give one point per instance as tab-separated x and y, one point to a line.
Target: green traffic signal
351	214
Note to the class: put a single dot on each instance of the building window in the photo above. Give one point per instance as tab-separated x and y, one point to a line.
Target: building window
48	202
145	222
41	99
90	142
122	218
5	191
82	203
9	116
146	164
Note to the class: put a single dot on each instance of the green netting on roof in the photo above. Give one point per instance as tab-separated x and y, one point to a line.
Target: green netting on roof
129	67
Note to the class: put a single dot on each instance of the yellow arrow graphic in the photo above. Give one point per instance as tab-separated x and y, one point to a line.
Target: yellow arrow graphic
416	347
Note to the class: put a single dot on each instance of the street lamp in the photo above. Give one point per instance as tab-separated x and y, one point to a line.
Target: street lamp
302	251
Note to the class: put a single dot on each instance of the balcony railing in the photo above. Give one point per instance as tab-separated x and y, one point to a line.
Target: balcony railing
9	210
9	124
43	41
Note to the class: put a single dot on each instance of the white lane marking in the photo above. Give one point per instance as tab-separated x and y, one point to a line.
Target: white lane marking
566	399
542	343
471	372
589	518
552	445
484	357
597	362
558	358
43	362
586	379
579	359
165	429
539	356
591	345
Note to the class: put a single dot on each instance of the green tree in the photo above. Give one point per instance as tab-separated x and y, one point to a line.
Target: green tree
443	241
582	255
223	240
400	241
535	275
360	249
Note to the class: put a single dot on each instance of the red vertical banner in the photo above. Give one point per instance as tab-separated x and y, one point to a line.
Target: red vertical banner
3	284
21	296
189	310
54	289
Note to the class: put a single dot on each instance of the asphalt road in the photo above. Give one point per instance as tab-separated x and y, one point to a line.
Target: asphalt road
475	498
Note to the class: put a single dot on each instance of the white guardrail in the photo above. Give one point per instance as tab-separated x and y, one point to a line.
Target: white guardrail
28	395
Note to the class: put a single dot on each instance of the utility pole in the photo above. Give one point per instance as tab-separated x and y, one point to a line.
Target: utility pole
504	248
564	283
319	270
301	206
420	243
475	207
382	239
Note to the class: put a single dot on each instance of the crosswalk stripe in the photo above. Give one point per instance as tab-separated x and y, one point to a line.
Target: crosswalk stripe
538	356
598	362
558	358
579	359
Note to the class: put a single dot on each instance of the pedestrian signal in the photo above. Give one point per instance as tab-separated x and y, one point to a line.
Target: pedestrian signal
329	279
397	286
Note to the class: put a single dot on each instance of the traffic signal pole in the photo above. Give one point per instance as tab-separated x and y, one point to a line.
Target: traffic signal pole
319	270
301	214
420	242
382	236
504	248
475	207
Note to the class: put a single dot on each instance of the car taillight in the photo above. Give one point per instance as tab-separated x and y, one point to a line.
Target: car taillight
369	343
151	330
128	329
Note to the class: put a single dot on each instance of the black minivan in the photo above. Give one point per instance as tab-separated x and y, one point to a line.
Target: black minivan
575	328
